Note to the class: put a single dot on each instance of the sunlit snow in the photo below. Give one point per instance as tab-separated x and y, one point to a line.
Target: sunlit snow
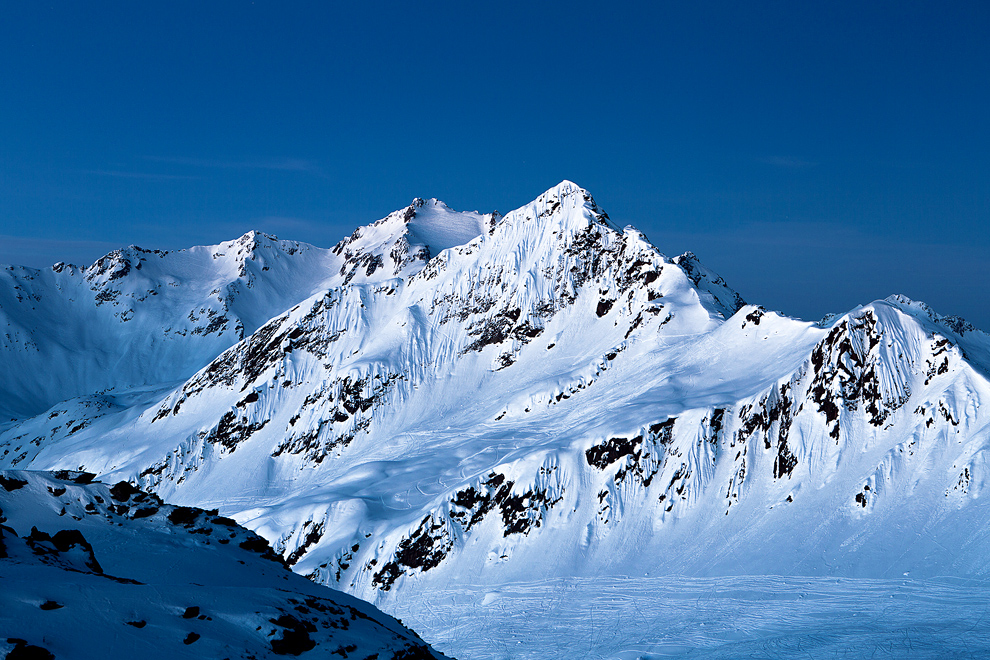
449	414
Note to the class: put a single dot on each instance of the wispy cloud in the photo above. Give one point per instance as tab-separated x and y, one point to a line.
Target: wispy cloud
278	164
788	162
147	176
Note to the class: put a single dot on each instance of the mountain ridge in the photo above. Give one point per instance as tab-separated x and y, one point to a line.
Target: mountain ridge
541	399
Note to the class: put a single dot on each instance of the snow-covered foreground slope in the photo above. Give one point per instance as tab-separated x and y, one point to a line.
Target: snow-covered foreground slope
484	400
91	571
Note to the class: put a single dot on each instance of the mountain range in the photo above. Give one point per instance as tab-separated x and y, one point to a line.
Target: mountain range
449	398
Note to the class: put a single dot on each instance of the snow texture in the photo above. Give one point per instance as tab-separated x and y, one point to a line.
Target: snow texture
91	571
730	618
451	399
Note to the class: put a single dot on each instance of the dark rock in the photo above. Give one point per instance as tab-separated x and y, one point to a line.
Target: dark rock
255	544
75	476
183	515
313	536
754	316
122	491
250	398
423	549
601	456
68	540
11	484
232	431
24	651
259	545
295	639
414	653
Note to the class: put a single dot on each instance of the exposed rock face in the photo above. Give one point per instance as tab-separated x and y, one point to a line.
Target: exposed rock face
468	397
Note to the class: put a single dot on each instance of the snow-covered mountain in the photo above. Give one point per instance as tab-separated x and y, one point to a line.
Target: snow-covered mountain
449	398
143	318
93	571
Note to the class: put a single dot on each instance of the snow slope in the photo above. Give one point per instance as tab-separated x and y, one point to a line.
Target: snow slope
144	317
91	571
550	397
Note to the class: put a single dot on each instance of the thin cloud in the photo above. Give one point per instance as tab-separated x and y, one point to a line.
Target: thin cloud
787	162
278	164
147	176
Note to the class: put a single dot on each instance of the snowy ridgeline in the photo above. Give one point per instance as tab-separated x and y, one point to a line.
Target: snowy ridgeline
91	571
447	399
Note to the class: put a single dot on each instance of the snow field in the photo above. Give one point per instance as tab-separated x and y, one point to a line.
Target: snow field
727	618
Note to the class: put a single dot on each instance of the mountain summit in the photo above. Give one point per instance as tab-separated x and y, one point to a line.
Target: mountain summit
453	398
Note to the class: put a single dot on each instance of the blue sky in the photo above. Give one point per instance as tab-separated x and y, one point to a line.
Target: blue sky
817	155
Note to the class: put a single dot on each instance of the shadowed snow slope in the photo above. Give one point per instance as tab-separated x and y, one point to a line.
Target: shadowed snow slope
90	571
448	398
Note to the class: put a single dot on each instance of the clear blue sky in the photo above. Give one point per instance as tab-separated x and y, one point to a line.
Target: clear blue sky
817	155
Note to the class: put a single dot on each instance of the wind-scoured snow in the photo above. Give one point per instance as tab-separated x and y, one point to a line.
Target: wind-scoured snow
462	399
439	228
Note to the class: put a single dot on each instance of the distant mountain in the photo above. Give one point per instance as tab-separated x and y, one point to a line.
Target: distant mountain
144	317
94	571
449	398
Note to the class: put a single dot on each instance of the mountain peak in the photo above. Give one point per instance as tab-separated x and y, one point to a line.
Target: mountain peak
404	240
564	204
253	234
564	188
250	241
438	227
419	202
566	193
956	324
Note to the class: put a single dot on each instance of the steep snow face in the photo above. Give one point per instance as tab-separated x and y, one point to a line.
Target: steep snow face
555	397
439	228
96	571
